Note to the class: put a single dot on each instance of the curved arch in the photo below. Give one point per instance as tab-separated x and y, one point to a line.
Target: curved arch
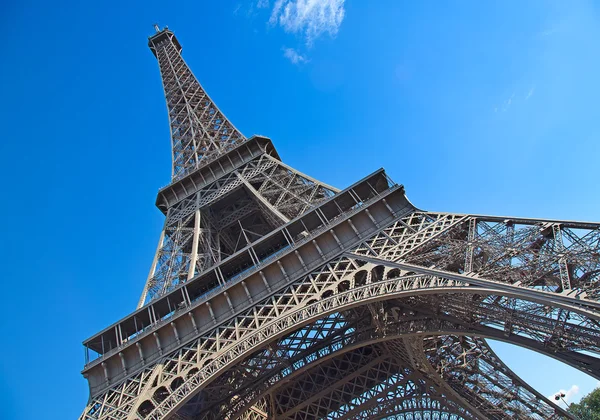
402	414
393	273
360	278
160	394
244	325
396	408
307	370
328	351
176	383
407	390
145	408
343	286
372	292
377	273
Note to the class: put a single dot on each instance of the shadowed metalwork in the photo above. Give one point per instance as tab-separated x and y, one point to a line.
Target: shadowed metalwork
275	296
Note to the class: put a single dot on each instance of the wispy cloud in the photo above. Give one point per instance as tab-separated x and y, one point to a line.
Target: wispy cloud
309	19
569	394
508	102
505	105
312	18
237	8
293	55
530	93
250	10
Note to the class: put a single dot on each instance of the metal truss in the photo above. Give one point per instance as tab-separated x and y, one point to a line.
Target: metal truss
225	216
456	308
199	131
556	256
275	296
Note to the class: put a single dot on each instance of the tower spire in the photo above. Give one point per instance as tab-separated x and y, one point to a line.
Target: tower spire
200	132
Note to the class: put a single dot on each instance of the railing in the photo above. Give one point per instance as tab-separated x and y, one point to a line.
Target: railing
245	274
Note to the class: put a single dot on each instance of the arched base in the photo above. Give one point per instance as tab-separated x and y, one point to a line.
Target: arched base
350	365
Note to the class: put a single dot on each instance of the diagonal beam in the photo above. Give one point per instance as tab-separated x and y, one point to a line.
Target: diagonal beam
336	385
584	306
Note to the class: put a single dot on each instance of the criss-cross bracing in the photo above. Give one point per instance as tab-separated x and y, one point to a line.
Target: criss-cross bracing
275	296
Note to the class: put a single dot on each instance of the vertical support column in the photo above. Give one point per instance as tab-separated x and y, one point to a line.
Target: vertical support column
264	279
118	336
157	338
357	233
354	196
247	292
288	237
220	277
123	364
510	231
565	278
470	245
152	269
337	240
175	332
372	218
390	209
105	369
212	314
186	296
318	249
141	353
195	240
191	315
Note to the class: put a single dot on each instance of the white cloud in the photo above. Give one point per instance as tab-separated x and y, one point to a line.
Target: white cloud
293	55
262	4
504	107
530	93
309	17
574	390
571	392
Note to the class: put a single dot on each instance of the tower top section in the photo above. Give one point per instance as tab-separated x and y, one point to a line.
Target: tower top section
164	35
200	132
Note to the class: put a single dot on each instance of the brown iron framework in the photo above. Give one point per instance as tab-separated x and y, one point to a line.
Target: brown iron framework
275	296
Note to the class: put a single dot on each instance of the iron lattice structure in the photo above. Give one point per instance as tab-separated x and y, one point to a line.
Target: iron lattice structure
275	296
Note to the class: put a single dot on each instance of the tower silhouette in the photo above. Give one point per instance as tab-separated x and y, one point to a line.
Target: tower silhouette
275	296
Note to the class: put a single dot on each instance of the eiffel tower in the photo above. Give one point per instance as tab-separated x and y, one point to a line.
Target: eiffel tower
275	296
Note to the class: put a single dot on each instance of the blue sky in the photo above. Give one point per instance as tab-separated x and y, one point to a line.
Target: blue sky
479	107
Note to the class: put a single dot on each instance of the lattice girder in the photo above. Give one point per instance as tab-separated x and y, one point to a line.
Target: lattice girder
342	274
273	295
332	364
199	131
557	256
296	369
195	237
